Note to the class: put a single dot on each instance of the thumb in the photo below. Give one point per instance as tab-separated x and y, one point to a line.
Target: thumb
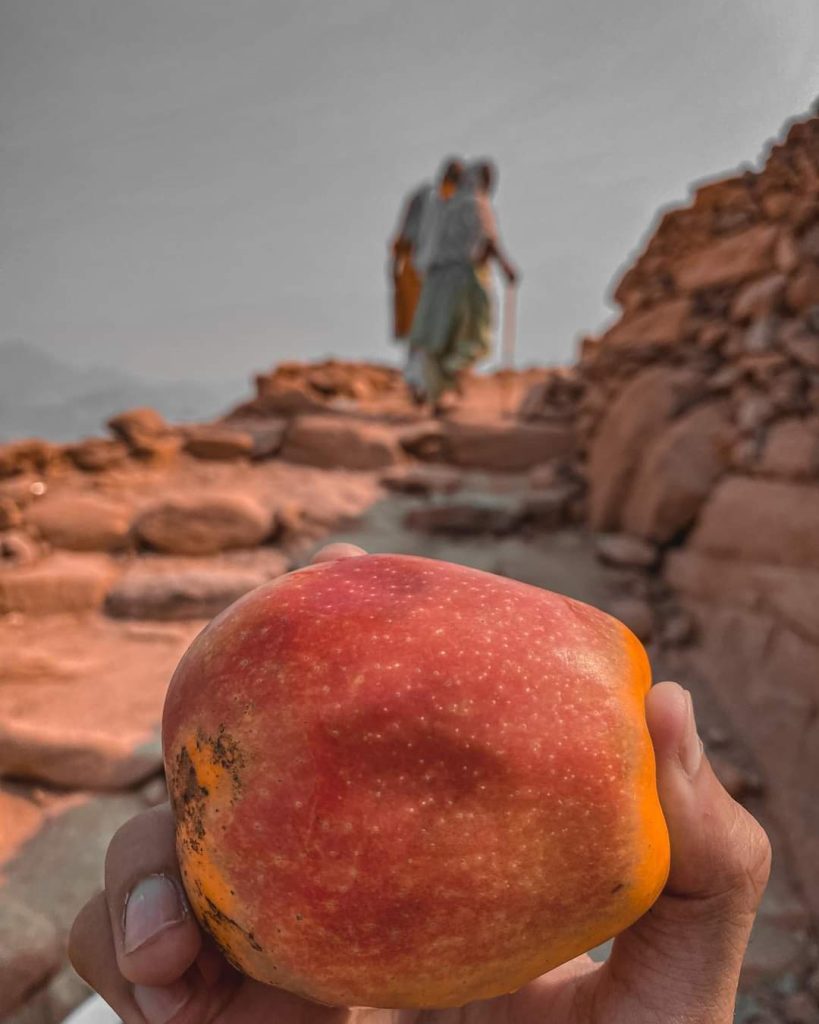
682	959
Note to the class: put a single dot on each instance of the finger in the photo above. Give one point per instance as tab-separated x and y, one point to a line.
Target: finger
333	552
155	936
689	947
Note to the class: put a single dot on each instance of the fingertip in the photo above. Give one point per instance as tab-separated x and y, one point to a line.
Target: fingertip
668	708
335	552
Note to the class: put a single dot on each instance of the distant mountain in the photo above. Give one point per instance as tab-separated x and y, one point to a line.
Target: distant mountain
42	396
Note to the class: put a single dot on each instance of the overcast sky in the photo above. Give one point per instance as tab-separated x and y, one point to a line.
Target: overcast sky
191	188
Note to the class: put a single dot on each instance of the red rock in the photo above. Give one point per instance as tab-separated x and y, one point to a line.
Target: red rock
727	260
809	242
333	442
776	204
81	522
423	480
423	440
17	549
803	289
662	325
505	447
97	454
30	951
802	346
205	524
645	404
759	298
761	520
196	593
214	441
792	449
677	473
786	253
146	433
10	514
27	456
760	335
61	583
620	549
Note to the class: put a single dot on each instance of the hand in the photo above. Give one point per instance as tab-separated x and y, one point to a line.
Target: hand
511	273
139	945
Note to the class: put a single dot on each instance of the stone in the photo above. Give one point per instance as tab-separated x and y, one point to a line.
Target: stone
30	951
423	480
477	516
753	412
760	335
635	613
18	549
81	702
758	298
803	288
138	427
61	583
204	524
547	474
800	1008
801	345
267	435
809	241
81	522
423	440
508	447
786	253
761	520
550	507
30	455
217	442
181	594
792	449
98	454
647	402
662	325
727	260
10	514
677	473
678	629
334	442
622	550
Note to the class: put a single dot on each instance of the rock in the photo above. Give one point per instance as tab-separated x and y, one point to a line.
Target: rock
801	345
505	447
29	953
60	583
423	440
635	613
662	325
550	507
800	1008
760	335
548	474
334	442
754	411
423	480
761	520
477	516
786	253
267	435
27	456
677	473
23	489
17	549
678	629
621	550
146	433
803	289
97	454
64	992
81	702
10	514
204	525
809	242
645	404
771	952
759	298
792	449
81	522
183	594
727	260
214	441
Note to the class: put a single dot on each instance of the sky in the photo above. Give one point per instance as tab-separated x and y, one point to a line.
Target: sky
198	189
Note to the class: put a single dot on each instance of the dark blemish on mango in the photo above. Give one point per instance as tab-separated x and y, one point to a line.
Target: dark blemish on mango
216	921
617	888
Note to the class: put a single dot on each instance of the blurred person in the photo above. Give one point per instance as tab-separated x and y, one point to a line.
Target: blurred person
411	241
452	329
139	945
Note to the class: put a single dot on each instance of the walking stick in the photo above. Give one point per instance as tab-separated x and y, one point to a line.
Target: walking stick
508	338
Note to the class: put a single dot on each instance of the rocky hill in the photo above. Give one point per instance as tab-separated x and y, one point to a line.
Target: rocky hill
670	477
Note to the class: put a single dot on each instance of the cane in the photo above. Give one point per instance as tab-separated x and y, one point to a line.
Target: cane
508	338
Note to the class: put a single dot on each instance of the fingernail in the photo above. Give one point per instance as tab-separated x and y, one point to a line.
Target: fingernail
691	745
153	905
159	1005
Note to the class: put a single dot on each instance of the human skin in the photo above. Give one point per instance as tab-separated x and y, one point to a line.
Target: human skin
139	945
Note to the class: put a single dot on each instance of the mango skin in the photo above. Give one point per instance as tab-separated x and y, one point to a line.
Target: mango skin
403	783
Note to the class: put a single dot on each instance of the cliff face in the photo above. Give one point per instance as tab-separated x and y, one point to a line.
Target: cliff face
700	428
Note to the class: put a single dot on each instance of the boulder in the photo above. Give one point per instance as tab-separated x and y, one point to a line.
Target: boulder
727	260
423	440
760	520
649	401
662	325
146	433
505	446
802	346
677	473
28	456
803	289
30	951
792	449
423	480
204	524
81	522
218	442
61	583
182	594
335	442
759	298
476	516
621	550
17	549
10	514
98	454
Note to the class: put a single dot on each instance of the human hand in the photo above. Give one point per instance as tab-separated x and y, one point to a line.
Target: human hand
511	273
139	945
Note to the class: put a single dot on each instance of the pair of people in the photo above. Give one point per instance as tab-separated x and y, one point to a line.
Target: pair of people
441	264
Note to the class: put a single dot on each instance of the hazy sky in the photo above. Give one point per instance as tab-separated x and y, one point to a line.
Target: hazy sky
198	188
